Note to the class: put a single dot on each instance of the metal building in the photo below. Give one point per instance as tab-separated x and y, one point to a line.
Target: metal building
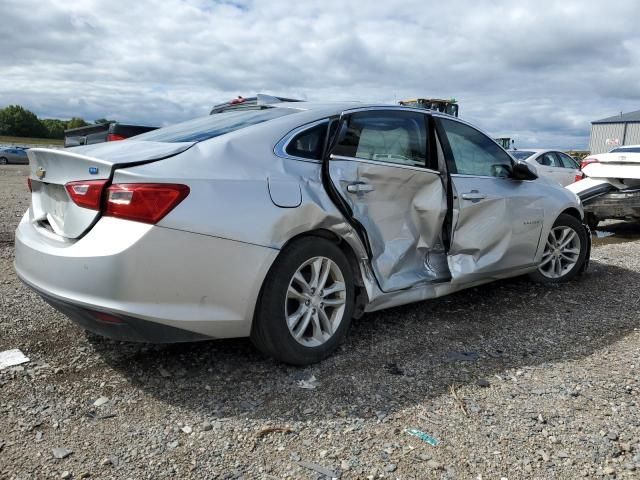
608	133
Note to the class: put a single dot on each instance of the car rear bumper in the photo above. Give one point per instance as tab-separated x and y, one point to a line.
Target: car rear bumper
164	285
120	327
620	204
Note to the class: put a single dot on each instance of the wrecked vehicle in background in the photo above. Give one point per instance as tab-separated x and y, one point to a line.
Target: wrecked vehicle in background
282	221
611	187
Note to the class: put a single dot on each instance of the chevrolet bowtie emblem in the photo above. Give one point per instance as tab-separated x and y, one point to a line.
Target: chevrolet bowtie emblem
41	172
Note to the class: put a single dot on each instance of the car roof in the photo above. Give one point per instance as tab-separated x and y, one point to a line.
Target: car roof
339	106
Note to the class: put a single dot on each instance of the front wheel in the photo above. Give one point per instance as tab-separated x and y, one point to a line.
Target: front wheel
3	161
306	303
565	251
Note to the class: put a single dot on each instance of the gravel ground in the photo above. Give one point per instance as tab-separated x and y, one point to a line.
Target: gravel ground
513	379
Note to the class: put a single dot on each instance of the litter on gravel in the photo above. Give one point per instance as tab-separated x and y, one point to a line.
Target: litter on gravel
319	469
11	358
310	383
425	437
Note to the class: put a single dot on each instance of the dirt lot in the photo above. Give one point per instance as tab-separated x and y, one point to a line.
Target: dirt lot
515	381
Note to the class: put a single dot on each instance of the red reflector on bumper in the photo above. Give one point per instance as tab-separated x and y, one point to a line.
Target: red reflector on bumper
105	317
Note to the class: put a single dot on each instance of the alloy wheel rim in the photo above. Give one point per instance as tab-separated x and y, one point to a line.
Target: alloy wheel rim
561	252
316	301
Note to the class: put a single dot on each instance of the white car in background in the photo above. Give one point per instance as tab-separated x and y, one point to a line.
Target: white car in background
611	187
557	166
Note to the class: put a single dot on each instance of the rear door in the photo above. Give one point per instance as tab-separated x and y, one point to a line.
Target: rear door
570	168
382	170
497	221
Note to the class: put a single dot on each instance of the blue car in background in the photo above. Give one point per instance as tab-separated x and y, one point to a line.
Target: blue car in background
13	155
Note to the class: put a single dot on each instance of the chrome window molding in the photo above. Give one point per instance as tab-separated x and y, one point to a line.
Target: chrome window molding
386	164
280	150
489	176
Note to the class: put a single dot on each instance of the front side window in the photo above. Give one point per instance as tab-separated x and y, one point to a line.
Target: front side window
474	153
212	126
385	136
309	143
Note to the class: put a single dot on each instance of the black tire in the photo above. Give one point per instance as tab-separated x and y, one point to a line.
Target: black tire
565	220
269	332
3	161
591	220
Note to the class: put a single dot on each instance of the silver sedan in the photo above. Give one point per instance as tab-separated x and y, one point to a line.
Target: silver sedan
283	221
13	155
555	165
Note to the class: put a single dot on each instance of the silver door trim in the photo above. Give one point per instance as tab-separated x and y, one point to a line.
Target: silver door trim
385	164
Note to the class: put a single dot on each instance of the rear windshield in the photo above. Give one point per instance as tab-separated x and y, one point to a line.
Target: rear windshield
520	154
212	126
626	150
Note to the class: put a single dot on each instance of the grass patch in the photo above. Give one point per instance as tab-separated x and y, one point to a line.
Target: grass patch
6	140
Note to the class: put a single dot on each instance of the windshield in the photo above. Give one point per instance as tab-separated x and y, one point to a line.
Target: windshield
520	154
626	150
212	126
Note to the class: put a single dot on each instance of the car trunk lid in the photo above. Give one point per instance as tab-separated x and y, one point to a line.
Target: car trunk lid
51	170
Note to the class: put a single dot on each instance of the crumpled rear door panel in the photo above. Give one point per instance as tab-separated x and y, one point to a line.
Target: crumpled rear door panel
402	210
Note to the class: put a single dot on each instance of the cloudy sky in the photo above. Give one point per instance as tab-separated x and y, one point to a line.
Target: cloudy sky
537	71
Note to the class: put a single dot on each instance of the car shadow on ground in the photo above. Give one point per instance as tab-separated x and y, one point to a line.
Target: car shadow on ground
616	232
395	358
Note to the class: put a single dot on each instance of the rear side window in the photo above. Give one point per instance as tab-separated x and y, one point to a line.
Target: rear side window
385	136
549	160
308	144
626	150
212	126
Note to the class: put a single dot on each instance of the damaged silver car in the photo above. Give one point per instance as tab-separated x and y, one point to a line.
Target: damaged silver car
611	187
283	221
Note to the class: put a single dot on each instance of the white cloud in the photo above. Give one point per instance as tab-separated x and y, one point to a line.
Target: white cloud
539	71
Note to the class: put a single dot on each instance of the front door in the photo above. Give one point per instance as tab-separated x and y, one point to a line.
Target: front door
496	221
382	169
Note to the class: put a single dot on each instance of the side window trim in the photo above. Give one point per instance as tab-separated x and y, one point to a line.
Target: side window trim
280	149
386	164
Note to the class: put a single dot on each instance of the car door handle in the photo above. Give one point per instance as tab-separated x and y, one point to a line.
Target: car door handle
473	195
360	187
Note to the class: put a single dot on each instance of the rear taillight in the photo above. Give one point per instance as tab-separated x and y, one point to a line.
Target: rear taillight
86	193
29	184
143	202
112	137
588	161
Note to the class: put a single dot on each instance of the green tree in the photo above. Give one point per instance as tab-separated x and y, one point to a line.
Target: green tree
20	122
76	122
55	128
102	120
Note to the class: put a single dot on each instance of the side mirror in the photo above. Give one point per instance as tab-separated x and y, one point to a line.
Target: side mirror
523	171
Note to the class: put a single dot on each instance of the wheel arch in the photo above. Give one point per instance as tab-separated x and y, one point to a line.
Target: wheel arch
574	212
361	297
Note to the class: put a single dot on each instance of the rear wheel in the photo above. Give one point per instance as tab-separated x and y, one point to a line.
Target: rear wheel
306	303
3	161
564	253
